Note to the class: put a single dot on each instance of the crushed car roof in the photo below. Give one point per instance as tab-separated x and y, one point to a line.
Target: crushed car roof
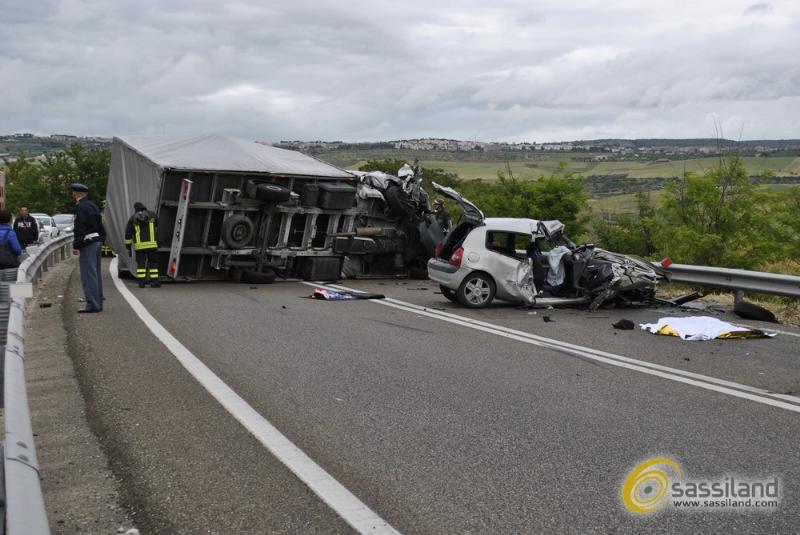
521	225
219	152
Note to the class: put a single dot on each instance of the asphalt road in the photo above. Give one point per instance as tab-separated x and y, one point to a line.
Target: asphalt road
439	428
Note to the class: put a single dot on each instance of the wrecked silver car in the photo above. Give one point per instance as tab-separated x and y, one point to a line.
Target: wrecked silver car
533	263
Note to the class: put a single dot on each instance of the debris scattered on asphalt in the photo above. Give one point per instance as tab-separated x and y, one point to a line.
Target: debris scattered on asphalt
418	289
45	305
254	287
686	359
702	328
546	319
713	306
625	325
683	299
333	295
283	306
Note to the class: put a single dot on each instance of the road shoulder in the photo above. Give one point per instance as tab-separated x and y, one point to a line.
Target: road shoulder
81	493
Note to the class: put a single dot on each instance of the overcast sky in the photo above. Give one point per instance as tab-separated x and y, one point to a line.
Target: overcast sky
374	70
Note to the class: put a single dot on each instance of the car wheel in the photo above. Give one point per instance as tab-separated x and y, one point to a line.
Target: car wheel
449	294
237	231
476	291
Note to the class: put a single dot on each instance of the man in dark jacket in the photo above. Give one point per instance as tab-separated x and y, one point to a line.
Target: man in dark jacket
441	215
141	232
26	228
88	237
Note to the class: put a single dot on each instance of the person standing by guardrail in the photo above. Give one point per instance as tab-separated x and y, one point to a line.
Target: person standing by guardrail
26	227
88	237
141	232
10	248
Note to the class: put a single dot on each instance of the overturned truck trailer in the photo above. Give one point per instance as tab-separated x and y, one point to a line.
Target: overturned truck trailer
231	208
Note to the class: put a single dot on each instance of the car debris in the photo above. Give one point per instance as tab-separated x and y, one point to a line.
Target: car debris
699	328
531	262
623	324
336	295
751	311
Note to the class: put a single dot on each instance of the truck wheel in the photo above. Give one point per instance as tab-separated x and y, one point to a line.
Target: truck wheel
272	193
449	294
259	277
418	269
476	291
237	231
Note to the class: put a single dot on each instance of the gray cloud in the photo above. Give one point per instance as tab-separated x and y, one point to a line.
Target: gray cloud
379	70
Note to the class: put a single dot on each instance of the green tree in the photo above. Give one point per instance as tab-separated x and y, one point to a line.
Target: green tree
43	185
709	219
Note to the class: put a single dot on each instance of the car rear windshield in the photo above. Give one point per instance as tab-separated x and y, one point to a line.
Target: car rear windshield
456	238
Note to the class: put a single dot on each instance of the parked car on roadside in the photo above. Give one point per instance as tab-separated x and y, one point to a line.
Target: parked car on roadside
47	228
532	262
64	222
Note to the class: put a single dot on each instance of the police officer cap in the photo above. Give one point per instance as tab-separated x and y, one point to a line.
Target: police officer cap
79	187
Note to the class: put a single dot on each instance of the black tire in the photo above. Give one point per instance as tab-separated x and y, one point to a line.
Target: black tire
418	269
237	231
448	294
749	311
477	290
259	277
272	193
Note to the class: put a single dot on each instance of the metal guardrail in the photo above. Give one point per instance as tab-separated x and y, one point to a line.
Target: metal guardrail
735	279
24	504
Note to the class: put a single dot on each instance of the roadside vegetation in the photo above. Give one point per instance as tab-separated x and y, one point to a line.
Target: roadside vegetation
43	184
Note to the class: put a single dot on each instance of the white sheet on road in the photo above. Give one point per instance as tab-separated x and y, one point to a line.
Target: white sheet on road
701	328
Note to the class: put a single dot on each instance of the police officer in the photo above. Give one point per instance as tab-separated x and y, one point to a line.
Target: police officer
88	237
441	215
141	232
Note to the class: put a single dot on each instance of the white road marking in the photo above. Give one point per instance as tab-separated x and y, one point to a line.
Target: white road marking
731	388
342	501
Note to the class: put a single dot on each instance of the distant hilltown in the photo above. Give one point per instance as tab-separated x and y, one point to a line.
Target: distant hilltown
30	145
613	146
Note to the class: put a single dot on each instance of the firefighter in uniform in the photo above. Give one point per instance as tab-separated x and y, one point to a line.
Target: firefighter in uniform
141	232
105	250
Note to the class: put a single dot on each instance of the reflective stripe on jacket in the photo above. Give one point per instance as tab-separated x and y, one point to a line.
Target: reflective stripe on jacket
141	232
146	239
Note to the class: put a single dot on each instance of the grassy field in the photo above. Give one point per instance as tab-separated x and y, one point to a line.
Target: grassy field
626	203
544	165
621	204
